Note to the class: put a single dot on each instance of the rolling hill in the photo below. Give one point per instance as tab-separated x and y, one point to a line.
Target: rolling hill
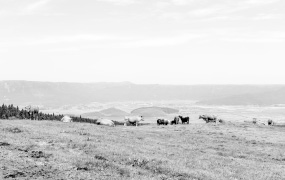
154	111
113	112
56	94
110	112
261	99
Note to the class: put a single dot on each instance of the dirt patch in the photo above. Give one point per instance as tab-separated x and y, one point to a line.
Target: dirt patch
4	144
39	154
13	130
100	158
157	167
14	174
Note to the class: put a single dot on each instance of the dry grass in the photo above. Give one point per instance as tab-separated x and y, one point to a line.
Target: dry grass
55	150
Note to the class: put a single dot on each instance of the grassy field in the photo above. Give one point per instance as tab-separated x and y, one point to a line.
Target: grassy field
55	150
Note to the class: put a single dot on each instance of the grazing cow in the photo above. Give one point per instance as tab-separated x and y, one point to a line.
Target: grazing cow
33	111
184	120
175	120
270	122
105	122
134	120
162	122
257	121
208	118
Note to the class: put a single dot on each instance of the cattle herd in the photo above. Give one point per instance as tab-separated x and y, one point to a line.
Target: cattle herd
32	112
135	120
176	120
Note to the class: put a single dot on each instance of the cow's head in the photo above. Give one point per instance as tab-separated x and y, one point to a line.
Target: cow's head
142	119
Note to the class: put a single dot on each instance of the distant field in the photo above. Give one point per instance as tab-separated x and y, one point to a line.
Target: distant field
188	108
55	150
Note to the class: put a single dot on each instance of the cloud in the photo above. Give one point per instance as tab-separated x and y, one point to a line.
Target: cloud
61	39
181	2
268	16
243	35
93	40
120	2
261	2
207	11
161	41
36	5
65	49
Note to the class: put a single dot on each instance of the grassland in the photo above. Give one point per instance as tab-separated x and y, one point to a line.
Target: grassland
55	150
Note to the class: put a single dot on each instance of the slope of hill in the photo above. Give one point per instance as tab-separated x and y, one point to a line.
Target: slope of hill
111	112
92	114
154	111
55	94
263	99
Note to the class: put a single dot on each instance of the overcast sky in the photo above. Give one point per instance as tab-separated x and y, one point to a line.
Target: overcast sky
143	41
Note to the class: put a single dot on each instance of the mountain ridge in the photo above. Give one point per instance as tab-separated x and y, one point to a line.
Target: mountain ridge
56	94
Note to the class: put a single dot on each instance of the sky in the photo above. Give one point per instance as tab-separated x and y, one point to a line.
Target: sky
143	41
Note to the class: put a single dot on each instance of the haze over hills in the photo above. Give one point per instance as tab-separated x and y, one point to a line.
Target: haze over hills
113	112
154	111
273	97
55	94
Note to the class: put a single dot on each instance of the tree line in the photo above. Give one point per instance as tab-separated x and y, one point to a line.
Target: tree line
14	112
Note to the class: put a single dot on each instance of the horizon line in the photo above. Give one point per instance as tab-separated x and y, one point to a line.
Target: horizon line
162	84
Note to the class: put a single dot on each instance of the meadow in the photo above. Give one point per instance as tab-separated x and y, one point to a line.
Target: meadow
56	150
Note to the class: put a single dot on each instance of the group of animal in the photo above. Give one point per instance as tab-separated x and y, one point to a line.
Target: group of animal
184	120
133	120
270	122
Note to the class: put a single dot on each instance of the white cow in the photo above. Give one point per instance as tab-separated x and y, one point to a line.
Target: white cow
105	122
133	120
66	119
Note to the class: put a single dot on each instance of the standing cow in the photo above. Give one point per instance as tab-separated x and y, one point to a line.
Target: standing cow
184	120
175	120
162	122
133	120
270	122
208	118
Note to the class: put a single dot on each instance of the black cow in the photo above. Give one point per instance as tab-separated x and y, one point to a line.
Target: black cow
270	122
184	120
162	122
175	120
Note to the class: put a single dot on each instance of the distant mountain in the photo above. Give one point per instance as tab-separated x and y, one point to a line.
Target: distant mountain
111	112
92	115
273	97
154	111
56	94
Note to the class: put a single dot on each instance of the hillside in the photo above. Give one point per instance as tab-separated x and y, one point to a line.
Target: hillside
262	99
56	94
112	112
154	111
70	151
92	115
